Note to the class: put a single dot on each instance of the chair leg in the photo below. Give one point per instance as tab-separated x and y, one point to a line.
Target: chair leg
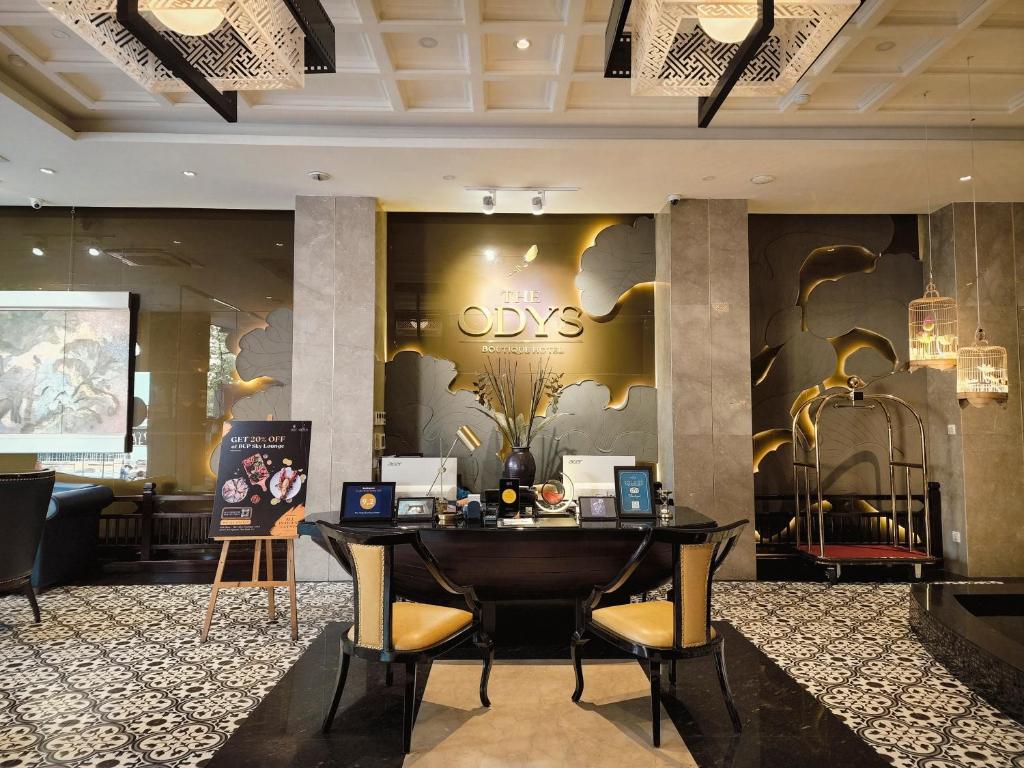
389	676
672	673
723	680
31	595
410	705
655	670
486	646
342	676
576	649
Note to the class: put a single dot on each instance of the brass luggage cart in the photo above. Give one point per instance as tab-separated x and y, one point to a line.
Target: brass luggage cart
898	544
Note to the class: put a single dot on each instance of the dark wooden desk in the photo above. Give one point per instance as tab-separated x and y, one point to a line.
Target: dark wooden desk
533	564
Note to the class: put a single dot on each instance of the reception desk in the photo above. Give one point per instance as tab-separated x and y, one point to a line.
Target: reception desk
545	561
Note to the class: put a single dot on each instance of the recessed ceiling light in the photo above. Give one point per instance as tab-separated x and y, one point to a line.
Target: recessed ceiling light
523	43
762	178
94	251
448	177
16	61
707	178
176	242
428	42
966	178
268	297
37	251
190	174
319	175
60	34
885	45
490	254
279	245
47	171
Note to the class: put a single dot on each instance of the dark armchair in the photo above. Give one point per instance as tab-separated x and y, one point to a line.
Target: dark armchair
665	630
399	632
24	500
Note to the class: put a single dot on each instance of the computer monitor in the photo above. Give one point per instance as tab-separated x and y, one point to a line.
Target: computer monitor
414	476
594	475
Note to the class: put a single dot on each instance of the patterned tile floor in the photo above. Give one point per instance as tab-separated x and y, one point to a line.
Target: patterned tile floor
115	677
851	646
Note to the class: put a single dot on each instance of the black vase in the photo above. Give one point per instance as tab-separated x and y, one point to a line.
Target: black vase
521	465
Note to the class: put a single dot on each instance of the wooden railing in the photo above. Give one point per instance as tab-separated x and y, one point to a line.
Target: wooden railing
149	526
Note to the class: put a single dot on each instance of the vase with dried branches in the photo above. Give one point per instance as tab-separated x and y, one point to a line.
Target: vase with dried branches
496	391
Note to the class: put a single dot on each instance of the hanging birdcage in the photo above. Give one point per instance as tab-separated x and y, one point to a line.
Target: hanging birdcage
981	373
933	331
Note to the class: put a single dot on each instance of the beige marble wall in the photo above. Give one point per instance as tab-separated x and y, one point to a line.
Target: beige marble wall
703	364
334	353
985	497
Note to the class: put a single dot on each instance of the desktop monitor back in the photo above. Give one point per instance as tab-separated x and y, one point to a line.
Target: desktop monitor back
594	475
414	476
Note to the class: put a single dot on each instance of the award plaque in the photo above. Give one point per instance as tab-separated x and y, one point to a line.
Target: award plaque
634	496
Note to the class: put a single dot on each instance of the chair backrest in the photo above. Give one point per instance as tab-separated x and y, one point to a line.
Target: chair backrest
697	553
24	501
368	554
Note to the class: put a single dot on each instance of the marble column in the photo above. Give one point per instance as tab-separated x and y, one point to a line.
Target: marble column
334	344
982	468
702	306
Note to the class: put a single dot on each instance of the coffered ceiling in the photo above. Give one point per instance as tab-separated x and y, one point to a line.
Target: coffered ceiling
455	62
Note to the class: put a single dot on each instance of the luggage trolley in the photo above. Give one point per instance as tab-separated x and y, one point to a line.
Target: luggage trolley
811	503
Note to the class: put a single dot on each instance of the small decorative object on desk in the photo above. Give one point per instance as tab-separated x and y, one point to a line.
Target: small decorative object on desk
666	505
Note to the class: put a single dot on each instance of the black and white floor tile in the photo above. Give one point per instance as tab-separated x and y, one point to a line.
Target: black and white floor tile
115	677
851	647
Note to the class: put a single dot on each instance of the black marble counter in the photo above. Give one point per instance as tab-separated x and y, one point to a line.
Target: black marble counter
977	632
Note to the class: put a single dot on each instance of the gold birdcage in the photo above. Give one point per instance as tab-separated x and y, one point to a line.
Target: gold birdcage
933	331
981	373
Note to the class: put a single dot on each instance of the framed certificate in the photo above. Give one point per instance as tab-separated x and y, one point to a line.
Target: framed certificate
415	509
597	508
368	503
633	492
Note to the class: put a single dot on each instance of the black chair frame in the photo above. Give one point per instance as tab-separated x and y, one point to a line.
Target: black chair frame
337	539
16	569
723	539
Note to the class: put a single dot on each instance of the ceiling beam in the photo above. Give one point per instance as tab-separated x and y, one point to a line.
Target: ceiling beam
566	64
371	27
878	99
708	106
475	56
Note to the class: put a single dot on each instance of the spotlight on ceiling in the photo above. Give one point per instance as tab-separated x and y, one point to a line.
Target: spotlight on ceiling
94	251
490	254
190	174
537	203
966	178
490	202
37	251
762	178
523	43
47	171
428	42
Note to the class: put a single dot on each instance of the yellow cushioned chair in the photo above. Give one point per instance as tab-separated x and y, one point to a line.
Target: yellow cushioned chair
665	630
399	632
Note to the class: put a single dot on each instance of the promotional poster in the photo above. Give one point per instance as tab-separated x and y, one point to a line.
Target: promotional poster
261	484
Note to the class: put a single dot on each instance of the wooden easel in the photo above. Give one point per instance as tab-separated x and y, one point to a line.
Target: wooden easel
259	543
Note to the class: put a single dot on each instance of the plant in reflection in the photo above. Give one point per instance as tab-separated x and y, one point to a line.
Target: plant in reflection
496	391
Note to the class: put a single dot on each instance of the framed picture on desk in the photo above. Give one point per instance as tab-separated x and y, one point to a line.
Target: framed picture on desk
597	508
634	495
368	503
415	509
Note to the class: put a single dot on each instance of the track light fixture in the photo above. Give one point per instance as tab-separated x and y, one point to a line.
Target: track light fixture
538	196
537	203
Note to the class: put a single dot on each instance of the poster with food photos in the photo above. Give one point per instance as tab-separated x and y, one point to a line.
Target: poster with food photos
261	482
